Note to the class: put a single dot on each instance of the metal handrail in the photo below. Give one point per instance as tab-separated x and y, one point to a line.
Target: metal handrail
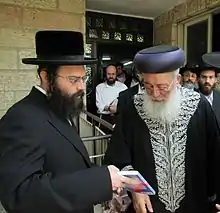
95	138
99	120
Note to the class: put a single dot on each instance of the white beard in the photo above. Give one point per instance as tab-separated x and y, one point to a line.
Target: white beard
165	111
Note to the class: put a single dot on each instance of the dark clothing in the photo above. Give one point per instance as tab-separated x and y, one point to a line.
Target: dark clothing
44	166
216	105
110	119
179	160
126	97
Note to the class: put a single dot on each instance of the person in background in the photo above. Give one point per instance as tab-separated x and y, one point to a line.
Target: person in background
207	79
122	75
44	165
126	96
189	77
107	95
171	136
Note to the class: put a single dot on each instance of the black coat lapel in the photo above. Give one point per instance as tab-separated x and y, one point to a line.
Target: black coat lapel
70	133
216	105
65	129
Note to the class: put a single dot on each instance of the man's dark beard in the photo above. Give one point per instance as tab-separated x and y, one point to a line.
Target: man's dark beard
110	81
204	90
65	105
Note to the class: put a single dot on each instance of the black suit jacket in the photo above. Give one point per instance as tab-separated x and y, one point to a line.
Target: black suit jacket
216	105
44	166
126	97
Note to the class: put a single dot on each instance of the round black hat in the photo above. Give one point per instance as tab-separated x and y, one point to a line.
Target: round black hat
59	48
189	67
159	59
211	60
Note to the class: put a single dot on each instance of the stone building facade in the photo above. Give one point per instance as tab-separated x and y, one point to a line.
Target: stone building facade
165	25
20	19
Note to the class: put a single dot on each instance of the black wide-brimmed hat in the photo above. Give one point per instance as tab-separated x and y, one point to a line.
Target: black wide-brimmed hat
159	59
59	48
189	67
211	59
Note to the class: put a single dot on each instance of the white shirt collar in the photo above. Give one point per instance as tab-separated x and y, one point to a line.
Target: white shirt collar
41	90
210	98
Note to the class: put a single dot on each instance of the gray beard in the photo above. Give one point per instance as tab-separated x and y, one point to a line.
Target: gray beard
165	111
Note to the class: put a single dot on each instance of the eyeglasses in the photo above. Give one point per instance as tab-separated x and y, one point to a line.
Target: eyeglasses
74	79
162	88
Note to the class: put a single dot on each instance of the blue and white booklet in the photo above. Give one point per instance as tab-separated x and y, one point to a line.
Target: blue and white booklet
140	185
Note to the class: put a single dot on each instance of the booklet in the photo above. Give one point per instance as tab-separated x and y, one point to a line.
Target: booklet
140	184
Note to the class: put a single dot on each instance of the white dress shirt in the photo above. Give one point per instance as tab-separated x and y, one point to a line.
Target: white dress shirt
210	98
107	95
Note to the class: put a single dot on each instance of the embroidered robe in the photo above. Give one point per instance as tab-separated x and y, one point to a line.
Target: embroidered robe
180	160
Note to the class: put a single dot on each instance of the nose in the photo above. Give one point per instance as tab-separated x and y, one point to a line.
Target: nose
207	80
191	78
81	86
155	93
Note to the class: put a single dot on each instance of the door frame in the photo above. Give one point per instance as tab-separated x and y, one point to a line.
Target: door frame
209	31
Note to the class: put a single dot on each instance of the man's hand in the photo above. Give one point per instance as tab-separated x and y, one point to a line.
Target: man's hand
218	208
113	109
141	203
118	181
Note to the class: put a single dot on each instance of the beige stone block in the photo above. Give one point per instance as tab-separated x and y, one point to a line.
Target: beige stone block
72	6
180	12
83	24
2	112
201	5
26	53
7	99
8	59
18	80
192	7
18	95
170	16
212	3
35	18
160	20
17	38
46	4
174	34
10	16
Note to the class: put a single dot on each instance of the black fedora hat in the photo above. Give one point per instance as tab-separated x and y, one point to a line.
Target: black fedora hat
59	48
211	60
192	67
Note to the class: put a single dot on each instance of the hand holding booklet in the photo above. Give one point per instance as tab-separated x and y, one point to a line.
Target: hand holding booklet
139	185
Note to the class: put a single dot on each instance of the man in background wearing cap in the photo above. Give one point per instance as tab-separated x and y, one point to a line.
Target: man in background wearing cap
207	79
171	136
44	165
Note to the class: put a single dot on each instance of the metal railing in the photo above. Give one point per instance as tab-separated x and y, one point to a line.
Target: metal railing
99	139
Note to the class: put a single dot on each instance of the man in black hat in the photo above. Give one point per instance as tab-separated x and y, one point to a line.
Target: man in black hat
189	77
44	166
171	136
207	79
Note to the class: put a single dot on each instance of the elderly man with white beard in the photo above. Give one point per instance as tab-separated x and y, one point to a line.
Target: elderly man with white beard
171	136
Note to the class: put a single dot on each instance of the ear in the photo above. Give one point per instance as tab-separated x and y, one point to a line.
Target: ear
43	76
179	79
44	79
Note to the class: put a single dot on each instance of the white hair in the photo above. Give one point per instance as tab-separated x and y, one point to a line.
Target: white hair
176	73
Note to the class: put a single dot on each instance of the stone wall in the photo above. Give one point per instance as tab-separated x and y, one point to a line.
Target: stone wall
20	19
165	25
